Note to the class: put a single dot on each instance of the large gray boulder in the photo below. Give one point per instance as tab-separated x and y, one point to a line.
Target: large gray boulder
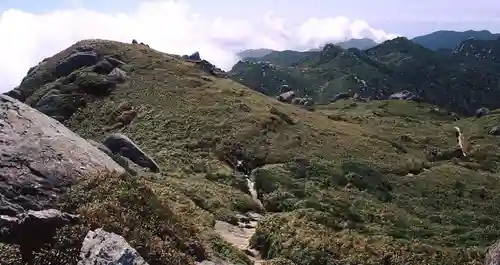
121	144
39	158
102	248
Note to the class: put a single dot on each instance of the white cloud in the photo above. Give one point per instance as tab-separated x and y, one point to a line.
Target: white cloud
168	26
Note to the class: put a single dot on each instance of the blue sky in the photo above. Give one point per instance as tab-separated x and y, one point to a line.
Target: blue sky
35	29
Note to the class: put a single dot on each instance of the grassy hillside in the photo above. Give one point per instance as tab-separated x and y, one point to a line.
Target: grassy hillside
458	80
350	182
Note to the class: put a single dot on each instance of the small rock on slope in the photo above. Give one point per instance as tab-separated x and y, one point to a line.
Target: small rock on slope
121	144
102	248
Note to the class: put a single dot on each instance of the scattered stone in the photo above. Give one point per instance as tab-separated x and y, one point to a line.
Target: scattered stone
75	61
286	97
495	130
302	101
339	96
482	112
134	41
454	116
40	158
118	75
403	95
102	248
121	144
127	117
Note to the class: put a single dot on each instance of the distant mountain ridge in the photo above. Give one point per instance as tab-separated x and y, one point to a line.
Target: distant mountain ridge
438	40
362	44
254	53
462	79
448	39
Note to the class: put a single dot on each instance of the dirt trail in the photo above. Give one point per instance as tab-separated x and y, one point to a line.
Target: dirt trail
239	235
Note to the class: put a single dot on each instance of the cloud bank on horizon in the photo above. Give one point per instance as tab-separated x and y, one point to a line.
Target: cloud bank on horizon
168	26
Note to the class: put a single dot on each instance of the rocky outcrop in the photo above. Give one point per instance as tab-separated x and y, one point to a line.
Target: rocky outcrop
207	67
403	95
492	256
194	57
40	158
482	112
33	229
494	131
122	161
286	97
75	61
58	88
118	75
121	144
103	248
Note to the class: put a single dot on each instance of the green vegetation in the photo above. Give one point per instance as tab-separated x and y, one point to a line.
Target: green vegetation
462	80
350	183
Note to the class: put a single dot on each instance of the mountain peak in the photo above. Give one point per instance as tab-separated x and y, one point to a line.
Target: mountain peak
362	44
